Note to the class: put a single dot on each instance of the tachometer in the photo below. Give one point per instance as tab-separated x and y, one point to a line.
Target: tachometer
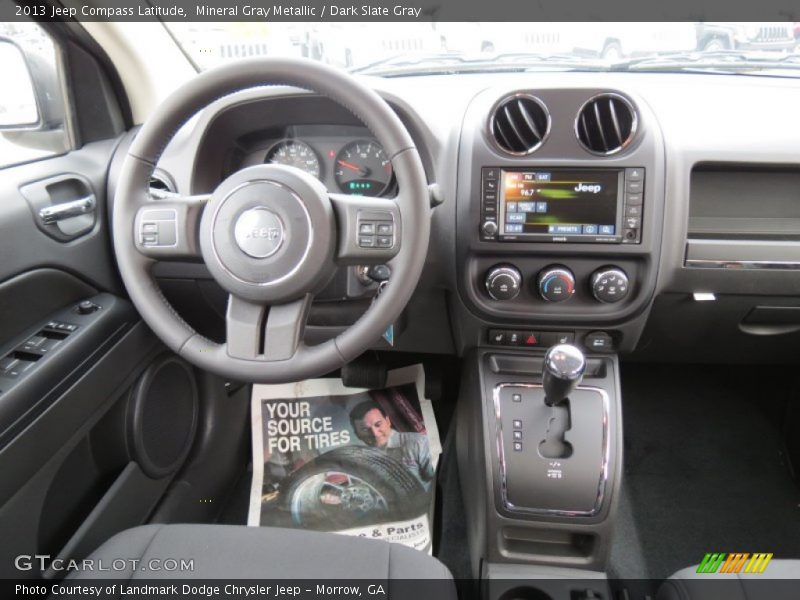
362	168
295	154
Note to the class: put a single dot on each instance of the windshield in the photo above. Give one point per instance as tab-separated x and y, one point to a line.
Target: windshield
397	49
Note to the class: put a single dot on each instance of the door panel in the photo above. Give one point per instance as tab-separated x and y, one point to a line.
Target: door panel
27	243
64	393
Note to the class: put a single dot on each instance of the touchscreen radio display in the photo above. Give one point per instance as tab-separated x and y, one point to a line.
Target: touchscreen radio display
553	204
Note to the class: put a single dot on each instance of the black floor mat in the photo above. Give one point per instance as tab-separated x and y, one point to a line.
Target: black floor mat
238	503
705	470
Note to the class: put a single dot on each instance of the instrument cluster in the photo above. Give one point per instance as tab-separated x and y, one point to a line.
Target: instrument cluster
350	164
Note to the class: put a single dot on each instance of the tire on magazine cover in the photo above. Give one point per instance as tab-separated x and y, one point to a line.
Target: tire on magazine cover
404	495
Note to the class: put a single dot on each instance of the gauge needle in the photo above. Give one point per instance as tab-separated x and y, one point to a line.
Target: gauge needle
352	167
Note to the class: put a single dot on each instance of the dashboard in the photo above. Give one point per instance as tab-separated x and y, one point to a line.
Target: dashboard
647	214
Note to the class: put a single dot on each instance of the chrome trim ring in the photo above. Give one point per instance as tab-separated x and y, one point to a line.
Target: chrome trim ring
490	123
603	479
634	124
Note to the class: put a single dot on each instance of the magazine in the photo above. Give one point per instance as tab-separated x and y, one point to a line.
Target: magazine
347	460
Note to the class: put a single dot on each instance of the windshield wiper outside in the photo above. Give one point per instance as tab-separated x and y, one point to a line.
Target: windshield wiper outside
728	60
438	64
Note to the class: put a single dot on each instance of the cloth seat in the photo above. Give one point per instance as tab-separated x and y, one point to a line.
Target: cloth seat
779	581
238	552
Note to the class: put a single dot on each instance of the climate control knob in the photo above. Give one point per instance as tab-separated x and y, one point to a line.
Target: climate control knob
610	285
503	282
556	284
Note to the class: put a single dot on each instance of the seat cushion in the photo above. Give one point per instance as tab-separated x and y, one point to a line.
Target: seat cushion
779	581
237	552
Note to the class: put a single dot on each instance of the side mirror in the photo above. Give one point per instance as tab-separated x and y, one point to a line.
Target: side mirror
19	106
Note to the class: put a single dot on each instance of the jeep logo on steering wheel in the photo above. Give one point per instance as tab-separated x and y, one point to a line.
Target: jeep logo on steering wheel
268	233
259	232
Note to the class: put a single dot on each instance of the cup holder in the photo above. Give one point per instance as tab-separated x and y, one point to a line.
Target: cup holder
525	593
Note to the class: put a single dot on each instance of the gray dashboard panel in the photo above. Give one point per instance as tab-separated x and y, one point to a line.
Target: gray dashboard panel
687	119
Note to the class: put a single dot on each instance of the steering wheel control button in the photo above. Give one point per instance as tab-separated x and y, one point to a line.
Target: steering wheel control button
610	285
375	229
158	227
599	341
556	284
503	282
259	232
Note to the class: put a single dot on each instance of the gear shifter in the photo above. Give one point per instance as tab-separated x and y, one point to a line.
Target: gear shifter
564	366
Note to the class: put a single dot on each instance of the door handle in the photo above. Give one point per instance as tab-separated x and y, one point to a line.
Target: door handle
66	210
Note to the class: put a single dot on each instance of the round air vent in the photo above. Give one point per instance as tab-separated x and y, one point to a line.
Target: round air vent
519	124
161	184
606	124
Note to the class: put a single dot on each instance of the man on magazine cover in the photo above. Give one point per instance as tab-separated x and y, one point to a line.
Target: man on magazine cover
374	427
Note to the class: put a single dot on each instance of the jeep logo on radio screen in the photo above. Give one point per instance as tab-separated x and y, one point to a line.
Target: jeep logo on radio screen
594	188
259	232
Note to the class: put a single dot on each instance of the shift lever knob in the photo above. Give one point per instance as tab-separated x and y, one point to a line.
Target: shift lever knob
564	365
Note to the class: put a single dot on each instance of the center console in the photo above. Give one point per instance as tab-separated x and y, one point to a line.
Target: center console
542	444
559	214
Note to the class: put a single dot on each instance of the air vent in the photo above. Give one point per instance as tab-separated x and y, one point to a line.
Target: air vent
161	183
519	124
606	124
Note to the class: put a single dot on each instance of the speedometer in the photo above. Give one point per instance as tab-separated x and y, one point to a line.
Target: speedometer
362	168
295	154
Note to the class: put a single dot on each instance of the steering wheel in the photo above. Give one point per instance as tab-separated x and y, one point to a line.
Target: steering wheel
270	235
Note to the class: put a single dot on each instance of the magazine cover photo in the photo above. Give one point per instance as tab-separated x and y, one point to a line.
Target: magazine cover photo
354	461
